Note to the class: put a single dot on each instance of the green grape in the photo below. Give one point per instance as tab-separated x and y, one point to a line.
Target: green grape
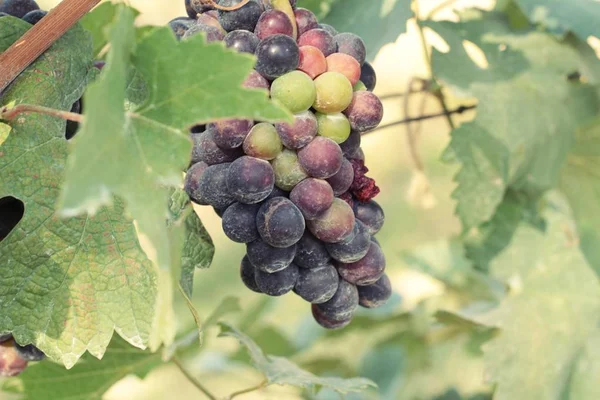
360	86
334	126
288	172
263	142
334	93
295	90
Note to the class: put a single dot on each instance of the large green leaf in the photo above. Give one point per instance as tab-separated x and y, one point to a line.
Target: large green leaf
584	383
66	283
97	21
88	380
551	310
527	115
281	371
320	7
378	22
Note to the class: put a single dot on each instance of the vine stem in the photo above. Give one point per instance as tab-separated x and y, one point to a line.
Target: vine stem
224	8
192	379
7	113
40	37
260	386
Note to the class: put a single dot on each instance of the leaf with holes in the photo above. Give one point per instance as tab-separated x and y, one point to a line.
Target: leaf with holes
67	284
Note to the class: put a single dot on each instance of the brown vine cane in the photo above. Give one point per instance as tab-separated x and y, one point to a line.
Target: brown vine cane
224	8
40	37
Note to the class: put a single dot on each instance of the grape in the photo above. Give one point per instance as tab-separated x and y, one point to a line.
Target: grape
295	90
220	211
306	20
250	180
5	336
268	258
300	133
317	285
273	22
35	16
29	352
18	8
277	55
198	128
256	80
278	193
241	41
211	33
311	252
245	17
359	86
329	29
192	180
206	19
211	189
352	45
239	222
312	61
230	133
343	304
352	144
277	283
319	38
205	149
213	13
367	270
377	294
73	126
334	93
321	158
181	26
345	65
195	7
280	222
329	323
365	111
368	76
341	182
355	248
288	172
359	155
263	142
335	224
371	214
313	197
334	126
248	274
11	363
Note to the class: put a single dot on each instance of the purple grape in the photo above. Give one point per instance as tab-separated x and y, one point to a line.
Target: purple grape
29	352
195	7
351	44
245	17
278	283
371	214
300	133
355	248
306	20
311	252
280	223
277	55
35	16
230	133
248	274
365	271
365	112
180	26
206	150
273	22
206	19
341	182
278	193
239	222
335	224
220	211
317	285
18	8
342	305
268	258
329	29
5	336
257	81
313	197
250	180
377	294
241	41
211	33
321	158
211	188
326	322
351	145
192	180
319	38
368	76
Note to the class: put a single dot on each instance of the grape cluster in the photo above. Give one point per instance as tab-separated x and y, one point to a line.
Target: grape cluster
295	193
14	357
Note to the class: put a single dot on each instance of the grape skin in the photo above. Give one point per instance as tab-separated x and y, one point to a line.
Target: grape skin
365	271
35	16
205	149
239	222
245	17
317	285
18	8
368	76
277	55
211	33
295	90
280	223
29	352
257	81
345	65
211	189
326	322
332	31
377	294
341	182
268	258
277	283
192	181
11	363
334	126
352	144
365	112
311	252
322	158
300	133
371	214
273	22
306	20
312	61
229	134
352	45
250	180
263	142
342	305
334	93
335	224
319	38
313	197
242	41
288	172
354	249
248	275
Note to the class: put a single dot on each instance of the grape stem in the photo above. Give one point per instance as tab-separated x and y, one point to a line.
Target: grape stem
458	110
224	8
40	37
192	379
260	386
8	113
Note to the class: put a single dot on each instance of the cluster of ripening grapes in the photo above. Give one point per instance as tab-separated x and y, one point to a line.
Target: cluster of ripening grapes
296	194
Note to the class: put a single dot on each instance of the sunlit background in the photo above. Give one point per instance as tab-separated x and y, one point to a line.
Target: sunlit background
414	215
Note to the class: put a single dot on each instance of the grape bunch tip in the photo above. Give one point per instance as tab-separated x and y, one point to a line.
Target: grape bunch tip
296	193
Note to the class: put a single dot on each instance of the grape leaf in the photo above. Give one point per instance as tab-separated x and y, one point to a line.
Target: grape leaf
139	153
320	7
377	22
66	283
4	132
96	22
281	371
549	314
559	16
527	115
584	382
88	380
